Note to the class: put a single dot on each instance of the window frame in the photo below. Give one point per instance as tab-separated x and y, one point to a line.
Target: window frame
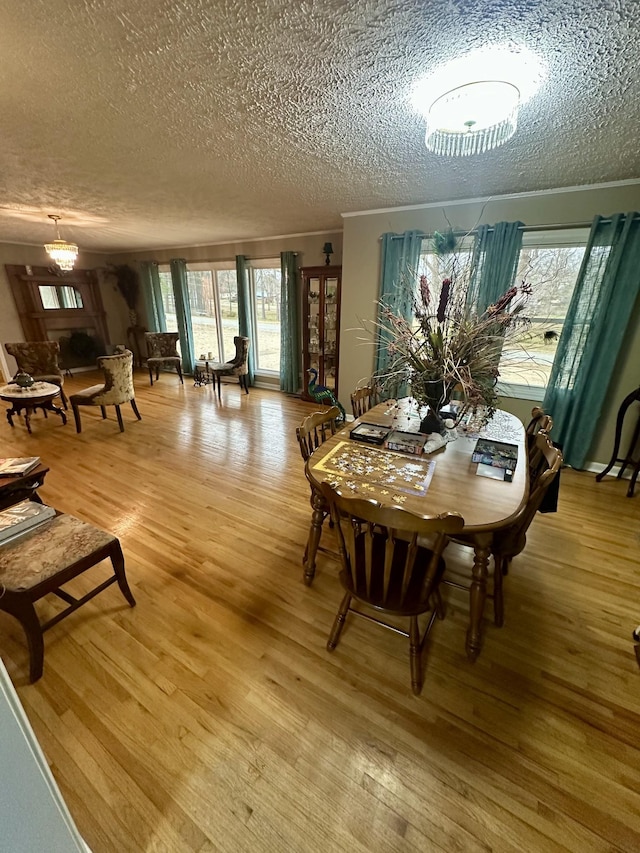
261	264
561	238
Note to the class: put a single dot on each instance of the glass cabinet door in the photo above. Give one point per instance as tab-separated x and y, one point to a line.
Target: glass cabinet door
321	329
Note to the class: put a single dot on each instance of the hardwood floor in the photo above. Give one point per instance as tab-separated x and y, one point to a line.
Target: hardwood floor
212	718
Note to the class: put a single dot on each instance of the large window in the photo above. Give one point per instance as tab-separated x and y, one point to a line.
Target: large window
265	279
213	298
550	262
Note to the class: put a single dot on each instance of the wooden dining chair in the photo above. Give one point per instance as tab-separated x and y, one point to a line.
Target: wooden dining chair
363	399
312	432
385	569
510	541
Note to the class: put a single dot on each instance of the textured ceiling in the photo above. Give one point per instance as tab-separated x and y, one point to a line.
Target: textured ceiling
162	123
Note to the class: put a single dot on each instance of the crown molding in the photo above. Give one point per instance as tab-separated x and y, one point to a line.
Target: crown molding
485	199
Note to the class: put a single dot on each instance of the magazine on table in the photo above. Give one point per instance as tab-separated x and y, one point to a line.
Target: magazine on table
16	466
22	518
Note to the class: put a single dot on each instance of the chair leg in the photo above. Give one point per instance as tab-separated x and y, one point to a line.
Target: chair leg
104	412
244	381
179	369
117	560
415	654
157	373
315	531
21	608
64	398
338	623
151	375
119	415
76	416
135	410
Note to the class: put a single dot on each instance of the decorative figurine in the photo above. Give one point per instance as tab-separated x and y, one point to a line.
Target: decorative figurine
322	394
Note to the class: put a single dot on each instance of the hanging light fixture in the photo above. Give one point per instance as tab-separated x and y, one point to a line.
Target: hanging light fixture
473	118
64	254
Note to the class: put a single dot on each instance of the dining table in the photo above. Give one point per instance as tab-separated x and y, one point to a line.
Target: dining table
432	483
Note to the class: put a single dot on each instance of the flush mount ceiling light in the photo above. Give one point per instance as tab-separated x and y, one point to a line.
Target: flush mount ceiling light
64	254
473	118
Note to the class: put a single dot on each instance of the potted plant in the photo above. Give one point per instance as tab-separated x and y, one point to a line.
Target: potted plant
128	283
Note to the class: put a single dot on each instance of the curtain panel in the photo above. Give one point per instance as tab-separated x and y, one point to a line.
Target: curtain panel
597	321
245	315
494	263
398	282
178	268
150	280
290	365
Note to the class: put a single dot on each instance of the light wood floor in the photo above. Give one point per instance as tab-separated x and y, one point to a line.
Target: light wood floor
211	716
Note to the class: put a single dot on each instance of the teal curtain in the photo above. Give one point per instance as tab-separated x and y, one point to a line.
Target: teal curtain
245	314
183	312
398	282
289	325
150	280
494	263
597	320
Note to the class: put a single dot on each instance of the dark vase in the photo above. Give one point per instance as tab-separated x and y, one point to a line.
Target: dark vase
432	422
23	380
434	393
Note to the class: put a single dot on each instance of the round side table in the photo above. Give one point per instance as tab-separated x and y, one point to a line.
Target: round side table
39	396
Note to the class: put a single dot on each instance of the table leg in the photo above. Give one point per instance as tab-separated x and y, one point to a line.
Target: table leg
10	413
56	409
27	417
482	553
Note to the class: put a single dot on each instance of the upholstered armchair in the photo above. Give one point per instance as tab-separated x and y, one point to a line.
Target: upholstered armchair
117	388
162	351
40	360
238	366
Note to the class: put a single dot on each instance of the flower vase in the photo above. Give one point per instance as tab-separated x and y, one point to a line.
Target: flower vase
432	422
433	393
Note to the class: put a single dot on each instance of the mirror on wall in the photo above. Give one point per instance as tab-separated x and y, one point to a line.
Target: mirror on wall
55	296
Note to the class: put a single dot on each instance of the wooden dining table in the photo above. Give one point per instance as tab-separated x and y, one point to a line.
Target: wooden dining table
433	483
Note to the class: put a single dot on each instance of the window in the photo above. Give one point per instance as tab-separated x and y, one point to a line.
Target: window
213	298
265	277
550	262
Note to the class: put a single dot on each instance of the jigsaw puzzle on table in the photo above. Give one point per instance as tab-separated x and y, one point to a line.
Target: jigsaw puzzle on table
376	473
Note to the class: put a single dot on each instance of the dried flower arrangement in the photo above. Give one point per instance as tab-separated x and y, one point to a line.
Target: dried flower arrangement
450	348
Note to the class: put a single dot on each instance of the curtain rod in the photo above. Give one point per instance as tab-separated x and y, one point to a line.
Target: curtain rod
556	226
217	260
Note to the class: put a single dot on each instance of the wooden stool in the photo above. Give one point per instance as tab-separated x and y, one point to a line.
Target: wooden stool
42	561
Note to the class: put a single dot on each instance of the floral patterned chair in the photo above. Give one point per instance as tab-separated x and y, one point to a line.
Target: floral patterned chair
42	561
238	366
162	350
40	360
117	388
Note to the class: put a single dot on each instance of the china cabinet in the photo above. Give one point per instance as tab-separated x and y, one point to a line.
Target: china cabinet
321	324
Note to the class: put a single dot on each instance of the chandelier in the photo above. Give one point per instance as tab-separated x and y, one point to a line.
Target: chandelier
473	118
64	254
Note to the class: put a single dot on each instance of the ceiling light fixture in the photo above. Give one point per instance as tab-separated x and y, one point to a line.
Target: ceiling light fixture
473	118
64	254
